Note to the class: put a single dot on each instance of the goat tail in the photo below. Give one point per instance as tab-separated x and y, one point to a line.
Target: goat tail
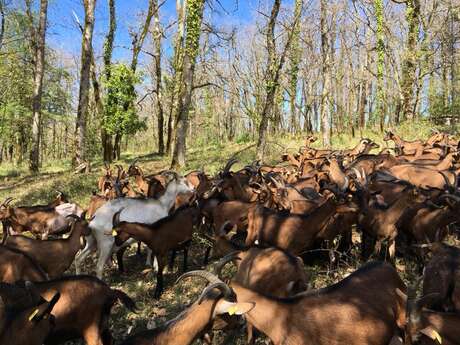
124	299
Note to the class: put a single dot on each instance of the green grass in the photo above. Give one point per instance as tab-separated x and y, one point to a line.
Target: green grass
41	188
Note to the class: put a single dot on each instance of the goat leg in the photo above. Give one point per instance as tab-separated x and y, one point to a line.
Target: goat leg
206	255
159	287
184	265
172	258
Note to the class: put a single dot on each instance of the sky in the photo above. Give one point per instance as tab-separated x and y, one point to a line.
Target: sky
64	35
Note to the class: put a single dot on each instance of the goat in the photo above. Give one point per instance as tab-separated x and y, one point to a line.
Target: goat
429	327
54	256
25	318
442	276
134	210
270	271
167	234
16	265
40	220
83	309
363	308
291	232
380	224
195	320
234	211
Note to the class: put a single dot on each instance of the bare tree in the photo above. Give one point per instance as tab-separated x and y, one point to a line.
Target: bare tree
83	97
194	18
325	120
275	64
108	50
157	36
39	70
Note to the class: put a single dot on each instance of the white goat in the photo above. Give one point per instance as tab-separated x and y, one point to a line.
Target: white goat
134	210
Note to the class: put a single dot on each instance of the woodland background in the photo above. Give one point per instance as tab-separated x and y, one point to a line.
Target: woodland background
174	75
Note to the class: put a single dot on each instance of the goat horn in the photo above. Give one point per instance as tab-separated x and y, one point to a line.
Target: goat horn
225	260
229	164
134	162
276	182
215	282
450	196
74	216
7	202
432	204
116	218
221	231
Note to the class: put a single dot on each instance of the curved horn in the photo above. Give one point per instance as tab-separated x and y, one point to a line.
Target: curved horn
221	231
456	198
133	163
116	218
432	204
229	164
225	260
6	202
74	216
276	182
215	282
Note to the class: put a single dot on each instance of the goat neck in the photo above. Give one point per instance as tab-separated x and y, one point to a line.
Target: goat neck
394	212
268	316
168	199
186	327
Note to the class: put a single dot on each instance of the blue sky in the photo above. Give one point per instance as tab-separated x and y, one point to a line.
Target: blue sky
64	35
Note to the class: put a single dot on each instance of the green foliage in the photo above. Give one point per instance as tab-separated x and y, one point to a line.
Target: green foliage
120	114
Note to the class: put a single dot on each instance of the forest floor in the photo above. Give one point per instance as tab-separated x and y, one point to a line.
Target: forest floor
139	282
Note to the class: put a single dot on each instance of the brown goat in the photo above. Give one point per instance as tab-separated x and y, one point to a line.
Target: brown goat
16	265
83	309
26	323
54	256
381	223
161	237
195	320
270	271
291	232
442	276
363	308
428	327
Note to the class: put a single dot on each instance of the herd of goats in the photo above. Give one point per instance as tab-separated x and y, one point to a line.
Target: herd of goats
269	221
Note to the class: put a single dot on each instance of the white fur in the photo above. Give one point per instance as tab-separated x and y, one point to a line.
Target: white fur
134	210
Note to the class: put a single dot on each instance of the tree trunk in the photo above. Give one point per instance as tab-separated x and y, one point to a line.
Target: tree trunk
106	138
2	22
194	19
325	122
83	97
272	74
39	70
380	100
157	34
410	58
294	59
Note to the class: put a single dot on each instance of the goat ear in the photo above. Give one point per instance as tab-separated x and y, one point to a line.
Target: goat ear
431	333
233	308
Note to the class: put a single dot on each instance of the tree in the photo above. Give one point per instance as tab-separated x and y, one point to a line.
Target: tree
380	93
108	50
157	35
325	121
194	17
83	96
39	70
409	62
272	74
294	59
120	120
